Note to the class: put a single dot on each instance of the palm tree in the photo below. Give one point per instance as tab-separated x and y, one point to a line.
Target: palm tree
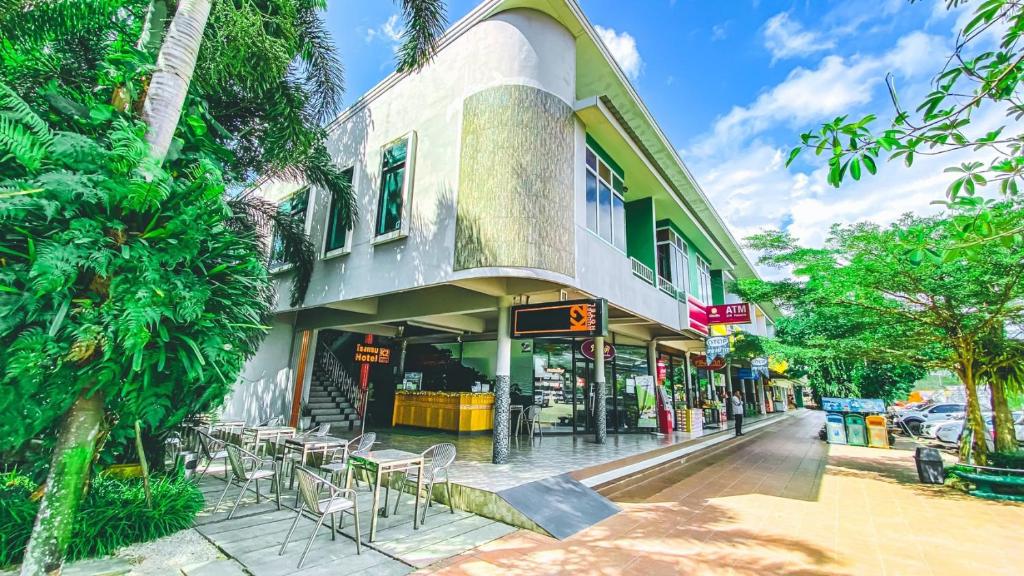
263	91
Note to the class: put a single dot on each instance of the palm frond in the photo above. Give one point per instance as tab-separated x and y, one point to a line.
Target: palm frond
267	221
36	23
425	22
322	71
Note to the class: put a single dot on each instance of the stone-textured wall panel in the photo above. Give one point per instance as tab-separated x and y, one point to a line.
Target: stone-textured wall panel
515	199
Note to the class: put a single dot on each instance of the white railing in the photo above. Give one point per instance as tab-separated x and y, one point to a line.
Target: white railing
666	287
337	375
642	271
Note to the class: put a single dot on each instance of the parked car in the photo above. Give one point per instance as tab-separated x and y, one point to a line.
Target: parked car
949	432
930	429
912	420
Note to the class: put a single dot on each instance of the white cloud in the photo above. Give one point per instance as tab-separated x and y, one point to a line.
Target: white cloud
719	31
786	38
390	31
622	46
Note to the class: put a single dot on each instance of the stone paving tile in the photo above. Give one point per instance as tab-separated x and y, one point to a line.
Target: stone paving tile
779	502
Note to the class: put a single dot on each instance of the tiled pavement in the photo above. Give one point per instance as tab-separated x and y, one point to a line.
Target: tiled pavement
253	537
779	502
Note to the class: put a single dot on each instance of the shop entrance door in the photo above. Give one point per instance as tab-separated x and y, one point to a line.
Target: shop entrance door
583	395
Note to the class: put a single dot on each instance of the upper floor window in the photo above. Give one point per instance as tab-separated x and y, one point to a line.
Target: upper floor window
673	259
337	235
703	280
606	209
295	206
395	184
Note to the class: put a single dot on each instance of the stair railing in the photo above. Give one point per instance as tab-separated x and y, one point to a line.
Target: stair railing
337	376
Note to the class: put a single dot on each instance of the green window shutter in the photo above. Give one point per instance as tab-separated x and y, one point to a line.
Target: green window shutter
392	187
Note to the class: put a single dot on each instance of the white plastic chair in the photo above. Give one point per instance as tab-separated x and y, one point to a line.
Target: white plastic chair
436	461
341	500
532	417
247	467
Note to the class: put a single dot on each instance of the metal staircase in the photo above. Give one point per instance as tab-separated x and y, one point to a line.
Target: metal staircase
333	394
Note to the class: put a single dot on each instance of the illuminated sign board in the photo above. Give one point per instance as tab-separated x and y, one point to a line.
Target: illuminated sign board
367	354
729	314
568	318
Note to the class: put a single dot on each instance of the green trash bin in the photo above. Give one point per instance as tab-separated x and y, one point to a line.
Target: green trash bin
856	432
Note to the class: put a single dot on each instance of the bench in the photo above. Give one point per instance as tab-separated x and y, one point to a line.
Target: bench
994	483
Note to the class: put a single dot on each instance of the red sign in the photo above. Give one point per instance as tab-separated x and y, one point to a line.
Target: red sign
698	315
662	371
729	314
701	362
587	349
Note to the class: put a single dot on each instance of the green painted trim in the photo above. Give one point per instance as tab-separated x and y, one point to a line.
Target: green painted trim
603	155
640	239
717	288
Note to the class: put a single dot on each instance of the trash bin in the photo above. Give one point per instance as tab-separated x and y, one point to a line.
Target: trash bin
929	466
878	431
185	463
856	434
836	430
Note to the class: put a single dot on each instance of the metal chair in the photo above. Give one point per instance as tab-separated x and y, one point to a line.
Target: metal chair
436	461
358	446
341	500
247	467
212	449
272	421
319	431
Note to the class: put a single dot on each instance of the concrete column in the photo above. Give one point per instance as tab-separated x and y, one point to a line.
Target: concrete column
689	397
600	414
502	385
760	396
652	359
728	390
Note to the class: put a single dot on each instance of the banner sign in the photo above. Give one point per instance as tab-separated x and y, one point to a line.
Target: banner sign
567	318
716	347
702	363
368	354
647	416
746	374
875	405
729	314
696	315
760	367
588	350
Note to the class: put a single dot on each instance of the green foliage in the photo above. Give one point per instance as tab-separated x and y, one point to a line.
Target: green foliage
120	277
1012	460
983	73
113	515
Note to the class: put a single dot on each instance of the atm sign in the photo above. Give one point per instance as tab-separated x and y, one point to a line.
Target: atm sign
367	354
584	318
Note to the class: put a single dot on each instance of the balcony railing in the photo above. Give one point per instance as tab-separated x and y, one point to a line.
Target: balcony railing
642	271
666	287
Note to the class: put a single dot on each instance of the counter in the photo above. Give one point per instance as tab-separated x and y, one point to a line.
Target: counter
451	411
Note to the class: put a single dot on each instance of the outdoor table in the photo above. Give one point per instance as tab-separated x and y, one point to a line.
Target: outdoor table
308	445
388	461
260	436
225	428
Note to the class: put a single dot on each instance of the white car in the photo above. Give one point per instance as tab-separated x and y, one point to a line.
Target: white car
913	419
931	429
949	432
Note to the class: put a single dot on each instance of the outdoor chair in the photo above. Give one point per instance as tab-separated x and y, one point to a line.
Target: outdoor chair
247	467
436	461
358	446
211	449
340	500
272	421
319	431
532	419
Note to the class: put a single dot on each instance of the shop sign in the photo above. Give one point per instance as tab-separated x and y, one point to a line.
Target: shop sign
729	314
716	347
662	371
368	354
760	367
588	350
746	374
567	318
702	363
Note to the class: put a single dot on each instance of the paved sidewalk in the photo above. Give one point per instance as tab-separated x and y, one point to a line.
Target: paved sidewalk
779	502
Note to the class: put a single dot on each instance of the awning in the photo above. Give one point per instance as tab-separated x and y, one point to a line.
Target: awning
786	383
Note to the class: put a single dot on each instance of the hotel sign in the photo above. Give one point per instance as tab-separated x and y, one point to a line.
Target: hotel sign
569	318
368	354
729	314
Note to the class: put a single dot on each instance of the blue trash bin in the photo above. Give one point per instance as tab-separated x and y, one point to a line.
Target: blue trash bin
836	428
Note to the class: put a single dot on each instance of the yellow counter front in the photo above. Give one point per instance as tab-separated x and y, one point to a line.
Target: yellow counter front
451	411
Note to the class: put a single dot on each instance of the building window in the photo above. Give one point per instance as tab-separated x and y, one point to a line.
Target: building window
606	208
704	281
395	182
337	236
295	206
673	259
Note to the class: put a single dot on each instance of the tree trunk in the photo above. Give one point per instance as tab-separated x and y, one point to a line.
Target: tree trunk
174	67
978	449
65	486
1006	436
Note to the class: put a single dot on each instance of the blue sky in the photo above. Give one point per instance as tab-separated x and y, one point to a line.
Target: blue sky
733	83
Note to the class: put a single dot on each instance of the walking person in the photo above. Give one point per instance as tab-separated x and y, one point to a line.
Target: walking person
737	412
